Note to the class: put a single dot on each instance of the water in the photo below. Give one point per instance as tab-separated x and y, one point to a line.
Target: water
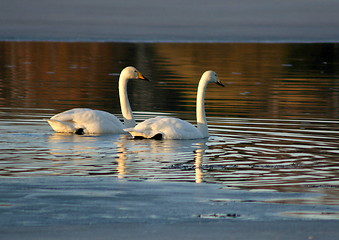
274	127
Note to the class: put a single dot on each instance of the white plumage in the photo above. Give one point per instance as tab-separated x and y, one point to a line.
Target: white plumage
88	121
175	128
165	128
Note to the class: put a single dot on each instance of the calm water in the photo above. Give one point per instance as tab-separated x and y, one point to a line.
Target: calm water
273	127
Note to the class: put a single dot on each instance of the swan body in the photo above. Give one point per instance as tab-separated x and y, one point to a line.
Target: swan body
168	127
175	128
88	121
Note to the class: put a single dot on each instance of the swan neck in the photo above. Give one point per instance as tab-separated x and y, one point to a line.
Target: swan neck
200	108
124	103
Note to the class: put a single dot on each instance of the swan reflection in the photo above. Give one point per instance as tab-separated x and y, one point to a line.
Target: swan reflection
199	153
147	159
81	155
118	155
121	156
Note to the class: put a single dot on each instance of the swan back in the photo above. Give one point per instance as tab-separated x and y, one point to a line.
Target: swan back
91	121
168	127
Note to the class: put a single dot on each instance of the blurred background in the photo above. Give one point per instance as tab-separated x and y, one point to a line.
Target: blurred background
173	20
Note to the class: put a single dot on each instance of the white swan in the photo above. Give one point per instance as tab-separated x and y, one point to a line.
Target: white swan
88	121
174	128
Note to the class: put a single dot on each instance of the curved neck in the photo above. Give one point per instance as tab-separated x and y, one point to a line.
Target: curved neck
200	108
124	103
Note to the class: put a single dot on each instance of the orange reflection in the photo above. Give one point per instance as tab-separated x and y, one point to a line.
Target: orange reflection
262	80
199	153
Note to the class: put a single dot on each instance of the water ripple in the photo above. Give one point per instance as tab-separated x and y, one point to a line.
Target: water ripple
236	155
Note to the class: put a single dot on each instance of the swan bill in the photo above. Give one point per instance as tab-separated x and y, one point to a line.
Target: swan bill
142	77
220	84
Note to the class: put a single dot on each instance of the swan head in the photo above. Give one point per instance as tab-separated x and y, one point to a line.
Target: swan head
132	73
212	77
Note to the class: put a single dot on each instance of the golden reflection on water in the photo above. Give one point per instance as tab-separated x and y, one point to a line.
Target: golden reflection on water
262	80
199	154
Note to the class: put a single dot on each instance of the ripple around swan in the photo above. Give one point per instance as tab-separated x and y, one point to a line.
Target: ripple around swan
276	155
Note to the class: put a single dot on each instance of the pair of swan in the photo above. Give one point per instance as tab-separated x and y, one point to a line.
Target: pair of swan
88	121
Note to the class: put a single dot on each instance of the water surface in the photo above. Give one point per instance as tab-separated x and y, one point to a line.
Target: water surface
273	127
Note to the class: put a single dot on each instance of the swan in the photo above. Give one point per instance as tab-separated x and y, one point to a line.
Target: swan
88	121
174	128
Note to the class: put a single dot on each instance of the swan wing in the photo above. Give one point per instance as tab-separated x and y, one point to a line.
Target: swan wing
92	121
69	115
103	122
64	121
58	126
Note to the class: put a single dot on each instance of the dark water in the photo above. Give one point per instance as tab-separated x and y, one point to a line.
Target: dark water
273	127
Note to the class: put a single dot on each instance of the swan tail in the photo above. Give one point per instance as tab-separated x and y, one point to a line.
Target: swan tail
141	134
134	132
59	126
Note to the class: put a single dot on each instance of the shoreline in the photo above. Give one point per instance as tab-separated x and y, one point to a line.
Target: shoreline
151	20
89	40
293	230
